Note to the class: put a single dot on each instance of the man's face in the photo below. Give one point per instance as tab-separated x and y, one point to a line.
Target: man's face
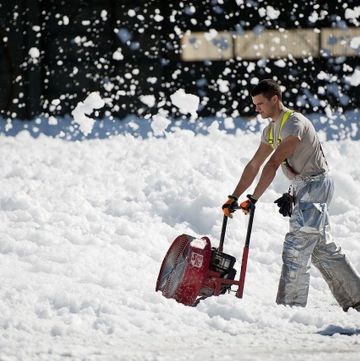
264	106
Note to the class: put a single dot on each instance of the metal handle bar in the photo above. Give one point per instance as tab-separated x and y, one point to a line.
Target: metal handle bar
248	233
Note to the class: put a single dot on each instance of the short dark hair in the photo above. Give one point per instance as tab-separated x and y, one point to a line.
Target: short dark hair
268	88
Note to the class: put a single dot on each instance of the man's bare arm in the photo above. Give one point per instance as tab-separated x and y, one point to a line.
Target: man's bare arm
283	151
252	168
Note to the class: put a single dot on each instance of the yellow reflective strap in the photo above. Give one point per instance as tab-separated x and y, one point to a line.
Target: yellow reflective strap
284	118
271	139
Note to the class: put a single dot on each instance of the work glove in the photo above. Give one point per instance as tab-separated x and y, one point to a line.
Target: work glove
230	206
246	205
285	204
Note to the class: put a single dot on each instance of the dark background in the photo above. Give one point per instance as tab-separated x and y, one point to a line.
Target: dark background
68	70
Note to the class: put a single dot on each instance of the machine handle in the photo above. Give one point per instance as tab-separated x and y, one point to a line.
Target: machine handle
248	233
250	224
240	291
223	231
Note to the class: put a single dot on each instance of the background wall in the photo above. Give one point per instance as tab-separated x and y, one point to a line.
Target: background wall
54	52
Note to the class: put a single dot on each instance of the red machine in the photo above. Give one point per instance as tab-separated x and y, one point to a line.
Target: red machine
192	270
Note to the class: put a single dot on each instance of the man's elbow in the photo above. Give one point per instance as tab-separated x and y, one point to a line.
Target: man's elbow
273	165
253	166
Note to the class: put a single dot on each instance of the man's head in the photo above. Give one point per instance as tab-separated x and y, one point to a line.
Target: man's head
266	97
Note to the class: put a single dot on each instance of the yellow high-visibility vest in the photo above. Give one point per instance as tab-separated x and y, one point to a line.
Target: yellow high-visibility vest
284	118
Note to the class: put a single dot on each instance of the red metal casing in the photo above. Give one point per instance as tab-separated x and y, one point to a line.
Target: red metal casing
185	272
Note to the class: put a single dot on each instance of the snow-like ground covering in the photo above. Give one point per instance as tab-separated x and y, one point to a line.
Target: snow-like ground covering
84	227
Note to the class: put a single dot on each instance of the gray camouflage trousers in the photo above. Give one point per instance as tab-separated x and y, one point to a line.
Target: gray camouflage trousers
309	241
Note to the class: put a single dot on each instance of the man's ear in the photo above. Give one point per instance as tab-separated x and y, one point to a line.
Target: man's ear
274	99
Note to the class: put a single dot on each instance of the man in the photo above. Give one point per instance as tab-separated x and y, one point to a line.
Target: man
291	140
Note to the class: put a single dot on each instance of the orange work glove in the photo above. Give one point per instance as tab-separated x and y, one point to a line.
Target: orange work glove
246	205
230	206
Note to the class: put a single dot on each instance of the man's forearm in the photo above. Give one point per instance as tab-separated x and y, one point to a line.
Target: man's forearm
248	176
267	176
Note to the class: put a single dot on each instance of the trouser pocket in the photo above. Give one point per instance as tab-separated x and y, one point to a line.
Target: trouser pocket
309	217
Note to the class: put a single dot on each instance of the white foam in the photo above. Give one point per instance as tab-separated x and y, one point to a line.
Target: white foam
186	103
85	108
